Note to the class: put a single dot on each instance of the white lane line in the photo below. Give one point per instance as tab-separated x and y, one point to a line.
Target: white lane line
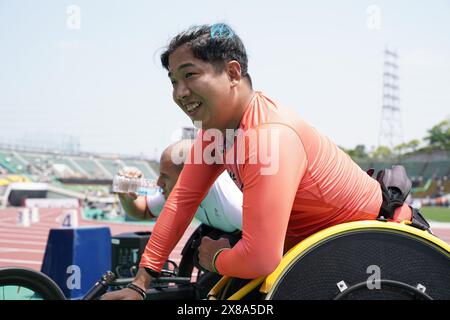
23	230
23	242
21	261
34	227
23	238
41	216
12	234
9	250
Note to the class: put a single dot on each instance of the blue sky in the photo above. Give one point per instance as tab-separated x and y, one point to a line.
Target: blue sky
104	84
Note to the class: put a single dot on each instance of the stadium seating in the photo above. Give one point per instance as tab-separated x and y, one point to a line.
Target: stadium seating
421	170
111	165
56	166
437	169
144	167
52	166
39	161
11	163
64	162
90	167
423	173
414	169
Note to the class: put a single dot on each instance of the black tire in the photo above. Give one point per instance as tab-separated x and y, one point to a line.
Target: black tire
406	260
31	279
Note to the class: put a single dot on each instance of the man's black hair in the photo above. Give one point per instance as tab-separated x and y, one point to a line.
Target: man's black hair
216	44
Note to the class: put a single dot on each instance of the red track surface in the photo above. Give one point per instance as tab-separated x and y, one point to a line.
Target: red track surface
25	246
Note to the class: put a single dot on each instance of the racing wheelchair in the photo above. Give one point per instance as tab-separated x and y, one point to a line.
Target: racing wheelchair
356	261
361	260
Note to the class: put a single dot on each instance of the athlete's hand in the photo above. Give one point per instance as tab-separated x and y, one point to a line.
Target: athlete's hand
208	249
142	280
130	196
130	172
124	294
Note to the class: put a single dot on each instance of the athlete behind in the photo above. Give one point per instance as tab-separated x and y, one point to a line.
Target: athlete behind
295	181
221	208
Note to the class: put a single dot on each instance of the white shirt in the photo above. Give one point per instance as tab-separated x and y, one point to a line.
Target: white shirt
221	208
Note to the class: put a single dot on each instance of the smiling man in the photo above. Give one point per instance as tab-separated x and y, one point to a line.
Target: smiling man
315	184
199	88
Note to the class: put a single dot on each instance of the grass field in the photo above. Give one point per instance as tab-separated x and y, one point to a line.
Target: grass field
441	214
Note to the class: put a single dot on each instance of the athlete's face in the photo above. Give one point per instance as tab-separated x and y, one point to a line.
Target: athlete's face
200	90
168	175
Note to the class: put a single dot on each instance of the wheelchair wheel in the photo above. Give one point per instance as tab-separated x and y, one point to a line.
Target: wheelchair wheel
27	284
364	261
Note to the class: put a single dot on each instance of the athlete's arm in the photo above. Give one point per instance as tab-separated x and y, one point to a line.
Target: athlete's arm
269	192
135	207
193	183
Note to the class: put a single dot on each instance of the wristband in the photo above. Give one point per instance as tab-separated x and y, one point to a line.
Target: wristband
215	258
138	290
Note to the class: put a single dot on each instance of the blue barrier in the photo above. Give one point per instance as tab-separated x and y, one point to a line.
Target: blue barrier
75	258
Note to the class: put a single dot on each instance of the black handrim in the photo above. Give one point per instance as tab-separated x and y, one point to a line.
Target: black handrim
386	285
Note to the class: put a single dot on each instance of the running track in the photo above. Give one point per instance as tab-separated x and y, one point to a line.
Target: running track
25	246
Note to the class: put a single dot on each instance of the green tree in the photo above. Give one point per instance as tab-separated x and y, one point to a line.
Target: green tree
413	145
407	147
381	153
439	136
400	149
359	152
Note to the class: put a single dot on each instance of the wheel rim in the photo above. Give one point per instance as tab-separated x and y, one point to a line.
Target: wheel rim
15	292
27	284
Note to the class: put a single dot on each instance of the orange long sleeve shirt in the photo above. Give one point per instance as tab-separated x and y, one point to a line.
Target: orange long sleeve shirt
295	182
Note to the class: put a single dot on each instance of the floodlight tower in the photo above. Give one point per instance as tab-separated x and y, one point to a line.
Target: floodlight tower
391	131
